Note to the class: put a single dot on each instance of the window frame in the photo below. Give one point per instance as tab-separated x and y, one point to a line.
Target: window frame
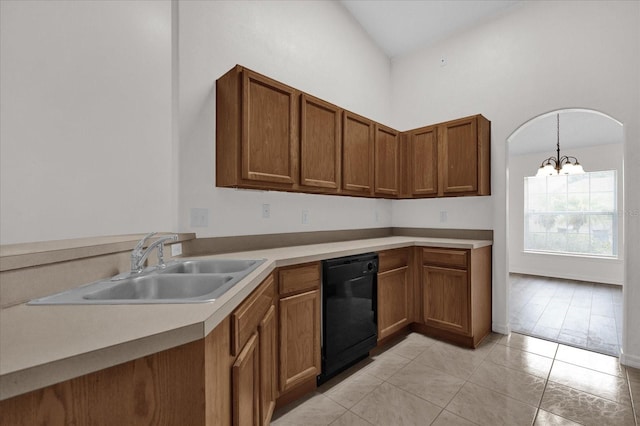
566	213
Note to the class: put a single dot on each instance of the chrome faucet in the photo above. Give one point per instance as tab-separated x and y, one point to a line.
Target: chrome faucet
138	256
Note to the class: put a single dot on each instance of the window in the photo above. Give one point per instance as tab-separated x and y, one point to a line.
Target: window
572	214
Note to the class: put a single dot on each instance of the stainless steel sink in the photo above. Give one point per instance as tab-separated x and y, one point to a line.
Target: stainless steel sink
210	266
188	281
164	287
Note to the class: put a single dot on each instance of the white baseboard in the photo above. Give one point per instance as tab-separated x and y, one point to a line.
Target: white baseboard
566	276
630	360
500	328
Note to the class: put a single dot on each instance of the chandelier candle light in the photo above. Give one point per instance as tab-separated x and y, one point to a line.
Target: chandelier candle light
564	165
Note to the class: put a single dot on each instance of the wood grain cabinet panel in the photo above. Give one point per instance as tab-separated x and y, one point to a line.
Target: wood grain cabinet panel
268	363
446	298
269	151
272	136
422	162
464	157
299	278
357	154
299	339
186	385
395	291
394	301
256	131
254	371
456	294
387	161
320	143
246	385
246	317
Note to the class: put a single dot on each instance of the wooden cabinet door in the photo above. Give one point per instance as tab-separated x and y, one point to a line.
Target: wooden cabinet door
299	338
246	385
459	156
393	301
423	162
446	298
269	149
268	363
320	143
387	157
357	154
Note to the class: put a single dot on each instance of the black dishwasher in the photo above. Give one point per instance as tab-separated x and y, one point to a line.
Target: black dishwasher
349	311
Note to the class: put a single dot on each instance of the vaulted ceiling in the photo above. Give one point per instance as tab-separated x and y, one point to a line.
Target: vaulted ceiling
402	26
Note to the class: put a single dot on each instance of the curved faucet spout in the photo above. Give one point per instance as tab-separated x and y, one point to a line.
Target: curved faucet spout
138	256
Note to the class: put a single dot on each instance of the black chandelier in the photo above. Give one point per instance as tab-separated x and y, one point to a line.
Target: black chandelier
565	165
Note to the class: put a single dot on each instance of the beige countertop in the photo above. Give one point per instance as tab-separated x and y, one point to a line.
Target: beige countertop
46	344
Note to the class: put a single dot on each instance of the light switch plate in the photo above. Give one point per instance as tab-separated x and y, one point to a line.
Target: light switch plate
266	211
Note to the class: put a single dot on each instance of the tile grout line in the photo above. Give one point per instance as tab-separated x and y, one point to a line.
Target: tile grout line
633	404
546	383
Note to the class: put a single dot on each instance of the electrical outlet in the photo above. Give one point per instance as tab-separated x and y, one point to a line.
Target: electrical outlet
199	218
305	217
266	211
443	216
176	249
376	216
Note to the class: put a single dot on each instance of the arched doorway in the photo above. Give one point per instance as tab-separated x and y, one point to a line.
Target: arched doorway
565	245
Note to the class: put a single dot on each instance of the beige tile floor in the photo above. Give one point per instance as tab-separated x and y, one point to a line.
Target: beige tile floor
509	380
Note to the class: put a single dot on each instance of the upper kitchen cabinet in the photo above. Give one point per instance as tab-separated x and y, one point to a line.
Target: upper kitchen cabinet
387	161
256	126
357	155
422	162
464	157
320	144
272	136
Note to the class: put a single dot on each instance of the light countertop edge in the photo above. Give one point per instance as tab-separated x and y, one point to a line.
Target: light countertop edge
100	336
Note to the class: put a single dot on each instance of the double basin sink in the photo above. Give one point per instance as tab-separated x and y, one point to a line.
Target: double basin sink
188	281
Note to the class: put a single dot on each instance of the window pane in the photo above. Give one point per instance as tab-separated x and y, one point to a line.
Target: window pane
578	183
572	214
603	181
578	202
557	185
536	185
538	202
602	202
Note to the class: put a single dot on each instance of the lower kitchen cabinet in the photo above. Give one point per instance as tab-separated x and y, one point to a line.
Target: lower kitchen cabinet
186	385
395	295
246	385
268	350
254	369
456	294
268	365
446	298
299	319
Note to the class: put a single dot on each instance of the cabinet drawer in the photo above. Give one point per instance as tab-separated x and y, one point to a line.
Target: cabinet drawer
299	278
446	257
393	259
245	319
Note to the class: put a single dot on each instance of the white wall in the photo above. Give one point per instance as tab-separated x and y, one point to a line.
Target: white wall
611	271
314	46
540	57
454	212
85	107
